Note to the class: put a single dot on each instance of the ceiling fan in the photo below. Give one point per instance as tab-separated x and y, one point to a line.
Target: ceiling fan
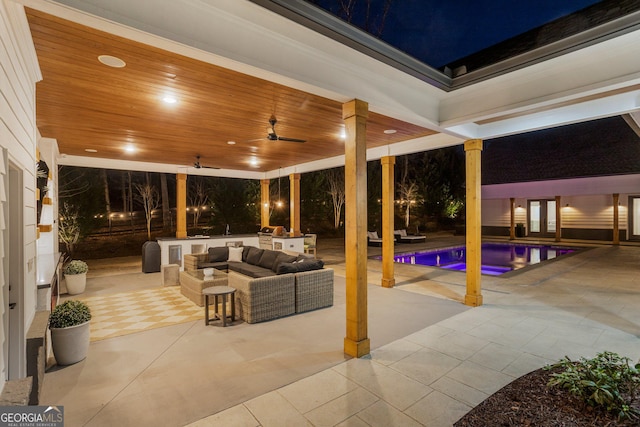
273	136
197	164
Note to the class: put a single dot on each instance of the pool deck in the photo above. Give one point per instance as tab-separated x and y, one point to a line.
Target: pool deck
574	306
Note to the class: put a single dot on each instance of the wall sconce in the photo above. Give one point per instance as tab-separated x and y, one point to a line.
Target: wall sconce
519	206
567	205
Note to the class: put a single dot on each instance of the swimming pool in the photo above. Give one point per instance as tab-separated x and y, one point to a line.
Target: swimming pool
497	258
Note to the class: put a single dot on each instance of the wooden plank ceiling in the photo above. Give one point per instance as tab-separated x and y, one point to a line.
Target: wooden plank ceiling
84	104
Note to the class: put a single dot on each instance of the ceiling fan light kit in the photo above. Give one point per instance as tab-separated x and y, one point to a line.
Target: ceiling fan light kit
273	136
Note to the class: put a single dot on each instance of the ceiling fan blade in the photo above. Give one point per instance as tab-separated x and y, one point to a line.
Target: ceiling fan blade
197	164
273	136
282	138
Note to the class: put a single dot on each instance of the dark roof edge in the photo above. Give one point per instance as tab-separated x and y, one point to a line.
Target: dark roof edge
335	28
606	31
564	178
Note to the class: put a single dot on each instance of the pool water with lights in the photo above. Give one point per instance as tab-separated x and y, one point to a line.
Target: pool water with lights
497	258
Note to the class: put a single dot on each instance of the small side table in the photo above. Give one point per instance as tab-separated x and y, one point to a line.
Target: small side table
215	292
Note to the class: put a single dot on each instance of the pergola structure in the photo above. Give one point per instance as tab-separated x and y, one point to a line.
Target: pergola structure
228	66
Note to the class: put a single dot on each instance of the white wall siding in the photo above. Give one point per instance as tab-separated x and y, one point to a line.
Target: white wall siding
18	74
585	212
497	212
575	186
592	212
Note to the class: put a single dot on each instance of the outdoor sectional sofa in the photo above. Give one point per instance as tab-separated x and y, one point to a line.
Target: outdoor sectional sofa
269	284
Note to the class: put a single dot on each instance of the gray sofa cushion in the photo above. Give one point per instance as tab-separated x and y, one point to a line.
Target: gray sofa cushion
308	264
282	257
268	258
245	252
287	267
218	254
253	256
250	270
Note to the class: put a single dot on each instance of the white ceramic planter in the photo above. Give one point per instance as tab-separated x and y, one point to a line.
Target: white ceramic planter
70	345
76	283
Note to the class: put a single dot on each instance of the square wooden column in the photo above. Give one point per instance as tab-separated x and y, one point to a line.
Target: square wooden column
264	202
512	213
473	152
294	204
558	219
181	205
616	219
388	279
355	113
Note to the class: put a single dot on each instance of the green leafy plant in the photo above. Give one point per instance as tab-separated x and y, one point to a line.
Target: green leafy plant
608	381
69	226
76	267
69	313
453	208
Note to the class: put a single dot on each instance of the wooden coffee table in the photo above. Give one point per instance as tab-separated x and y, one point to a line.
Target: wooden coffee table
215	292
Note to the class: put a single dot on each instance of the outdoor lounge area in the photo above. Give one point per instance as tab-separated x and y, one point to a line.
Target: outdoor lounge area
362	131
432	359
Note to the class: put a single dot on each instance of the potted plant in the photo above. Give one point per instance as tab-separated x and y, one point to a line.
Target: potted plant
75	274
69	325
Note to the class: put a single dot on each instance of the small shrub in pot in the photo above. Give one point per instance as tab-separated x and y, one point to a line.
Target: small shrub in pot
69	324
69	313
75	267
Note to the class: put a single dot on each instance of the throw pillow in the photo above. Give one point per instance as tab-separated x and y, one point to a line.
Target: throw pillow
218	254
310	264
268	258
235	254
302	257
253	257
282	257
286	267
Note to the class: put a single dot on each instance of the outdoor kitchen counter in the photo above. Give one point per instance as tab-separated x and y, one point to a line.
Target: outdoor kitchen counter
172	249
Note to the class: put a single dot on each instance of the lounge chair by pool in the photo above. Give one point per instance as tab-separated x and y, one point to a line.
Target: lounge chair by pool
402	237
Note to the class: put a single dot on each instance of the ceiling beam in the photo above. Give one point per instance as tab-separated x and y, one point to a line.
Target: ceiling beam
633	120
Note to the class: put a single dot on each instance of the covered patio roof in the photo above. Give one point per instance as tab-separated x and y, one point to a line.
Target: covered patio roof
231	65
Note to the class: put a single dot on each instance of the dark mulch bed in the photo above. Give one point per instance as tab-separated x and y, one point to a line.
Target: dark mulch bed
528	401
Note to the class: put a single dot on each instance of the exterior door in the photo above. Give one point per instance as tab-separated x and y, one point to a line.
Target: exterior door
542	218
634	217
15	303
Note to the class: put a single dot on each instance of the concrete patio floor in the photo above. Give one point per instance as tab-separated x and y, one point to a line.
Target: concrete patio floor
432	358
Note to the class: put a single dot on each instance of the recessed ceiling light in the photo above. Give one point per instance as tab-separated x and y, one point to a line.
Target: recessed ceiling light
390	131
129	148
111	61
169	99
253	162
90	150
231	142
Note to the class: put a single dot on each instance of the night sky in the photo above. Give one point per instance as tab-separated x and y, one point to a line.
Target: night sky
441	31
